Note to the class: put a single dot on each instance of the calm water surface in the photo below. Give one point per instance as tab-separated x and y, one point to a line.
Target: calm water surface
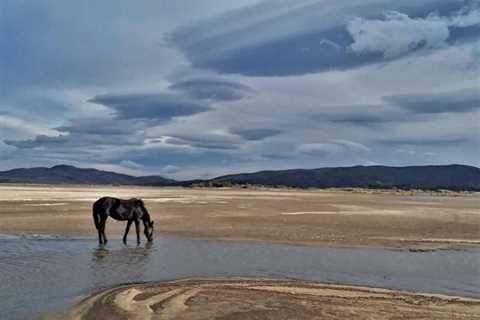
41	273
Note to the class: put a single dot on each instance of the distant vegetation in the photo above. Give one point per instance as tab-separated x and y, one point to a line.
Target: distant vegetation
449	177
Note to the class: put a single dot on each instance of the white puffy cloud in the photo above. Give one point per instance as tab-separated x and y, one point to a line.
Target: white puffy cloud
398	33
467	17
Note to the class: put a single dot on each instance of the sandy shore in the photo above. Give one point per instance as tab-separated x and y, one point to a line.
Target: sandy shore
330	217
265	299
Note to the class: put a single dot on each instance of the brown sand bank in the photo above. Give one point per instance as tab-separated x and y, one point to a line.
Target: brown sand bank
332	217
266	299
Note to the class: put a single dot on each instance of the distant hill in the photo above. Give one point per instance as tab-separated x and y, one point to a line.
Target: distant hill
63	174
453	177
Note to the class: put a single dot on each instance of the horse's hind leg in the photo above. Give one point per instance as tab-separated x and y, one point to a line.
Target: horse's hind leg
105	240
126	231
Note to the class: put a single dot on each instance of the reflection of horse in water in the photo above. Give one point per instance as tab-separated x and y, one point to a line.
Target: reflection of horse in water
132	210
111	265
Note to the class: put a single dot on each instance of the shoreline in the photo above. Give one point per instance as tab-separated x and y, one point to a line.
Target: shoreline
416	246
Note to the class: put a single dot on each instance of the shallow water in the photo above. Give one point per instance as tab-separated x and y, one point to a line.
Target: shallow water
41	273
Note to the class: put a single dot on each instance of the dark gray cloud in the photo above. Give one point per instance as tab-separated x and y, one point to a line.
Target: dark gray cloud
425	141
255	41
361	115
205	141
358	119
102	126
256	134
78	141
458	101
212	89
300	54
160	107
38	141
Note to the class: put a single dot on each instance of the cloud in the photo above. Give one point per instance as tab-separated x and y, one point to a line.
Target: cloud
78	142
332	147
351	146
282	38
15	127
359	119
256	134
102	126
212	89
360	115
412	141
465	100
130	164
439	132
170	169
466	17
159	107
373	36
397	33
300	54
329	43
220	141
406	151
38	141
68	43
242	86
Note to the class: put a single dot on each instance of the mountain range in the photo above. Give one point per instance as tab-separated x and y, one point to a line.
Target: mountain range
452	177
64	174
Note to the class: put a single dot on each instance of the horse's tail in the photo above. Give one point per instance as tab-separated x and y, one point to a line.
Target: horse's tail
96	212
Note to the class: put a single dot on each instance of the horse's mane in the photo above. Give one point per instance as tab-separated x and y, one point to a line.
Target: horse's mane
142	205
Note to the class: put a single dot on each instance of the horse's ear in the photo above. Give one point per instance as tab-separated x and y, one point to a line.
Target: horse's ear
151	223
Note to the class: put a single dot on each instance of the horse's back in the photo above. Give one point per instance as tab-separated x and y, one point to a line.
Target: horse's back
103	204
118	209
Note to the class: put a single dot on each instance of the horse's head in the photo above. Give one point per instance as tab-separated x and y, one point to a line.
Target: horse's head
146	220
149	230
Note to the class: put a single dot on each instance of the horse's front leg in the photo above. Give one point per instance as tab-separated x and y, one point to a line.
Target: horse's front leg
100	240
137	229
129	223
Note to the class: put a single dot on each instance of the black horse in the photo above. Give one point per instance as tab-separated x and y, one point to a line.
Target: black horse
132	210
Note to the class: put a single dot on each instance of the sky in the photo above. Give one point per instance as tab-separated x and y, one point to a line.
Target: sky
200	88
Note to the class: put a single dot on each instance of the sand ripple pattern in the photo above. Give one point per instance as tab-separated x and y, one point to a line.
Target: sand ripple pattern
266	299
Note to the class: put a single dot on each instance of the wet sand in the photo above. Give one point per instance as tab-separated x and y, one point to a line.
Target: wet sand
419	220
266	299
